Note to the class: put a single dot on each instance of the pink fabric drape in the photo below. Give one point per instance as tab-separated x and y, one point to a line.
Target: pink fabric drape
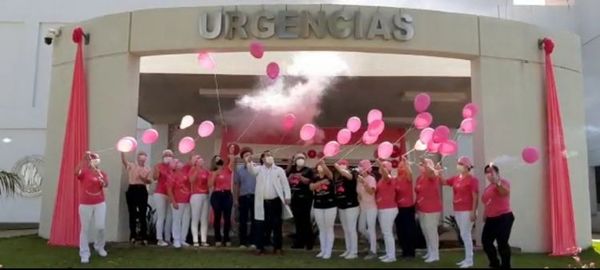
65	219
561	205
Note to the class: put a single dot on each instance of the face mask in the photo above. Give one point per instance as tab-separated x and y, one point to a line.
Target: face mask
300	162
394	173
167	160
95	162
219	163
269	160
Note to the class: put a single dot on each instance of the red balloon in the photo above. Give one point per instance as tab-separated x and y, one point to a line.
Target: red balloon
311	153
530	155
375	154
396	151
394	164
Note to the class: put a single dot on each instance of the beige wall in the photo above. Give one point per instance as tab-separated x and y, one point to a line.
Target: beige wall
506	83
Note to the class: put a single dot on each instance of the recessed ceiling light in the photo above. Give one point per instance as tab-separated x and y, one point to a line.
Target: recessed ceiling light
6	140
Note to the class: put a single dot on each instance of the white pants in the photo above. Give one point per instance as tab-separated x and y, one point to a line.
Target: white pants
429	225
325	219
367	227
349	218
386	222
163	217
463	220
199	204
181	222
95	213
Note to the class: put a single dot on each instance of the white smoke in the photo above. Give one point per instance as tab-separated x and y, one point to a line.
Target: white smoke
313	74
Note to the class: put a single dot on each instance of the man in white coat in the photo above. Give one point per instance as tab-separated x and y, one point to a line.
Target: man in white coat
271	199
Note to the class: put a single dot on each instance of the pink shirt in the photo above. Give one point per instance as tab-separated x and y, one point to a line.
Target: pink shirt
91	190
164	172
200	186
366	200
386	194
136	173
223	180
428	191
462	192
495	204
405	196
180	185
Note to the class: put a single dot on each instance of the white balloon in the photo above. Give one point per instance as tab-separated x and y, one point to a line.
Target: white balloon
420	146
186	121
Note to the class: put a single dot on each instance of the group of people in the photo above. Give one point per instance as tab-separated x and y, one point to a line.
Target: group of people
266	194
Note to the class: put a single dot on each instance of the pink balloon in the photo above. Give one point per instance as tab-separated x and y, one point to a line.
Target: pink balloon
426	135
353	124
376	127
125	145
289	120
448	148
344	136
422	102
186	145
385	149
150	136
273	70
420	146
368	139
468	125
423	120
206	60
256	49
433	147
307	132
373	115
470	110
530	155
441	134
206	128
133	141
331	149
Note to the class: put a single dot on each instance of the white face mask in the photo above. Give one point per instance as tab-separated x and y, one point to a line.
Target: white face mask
300	162
167	159
95	162
394	173
269	160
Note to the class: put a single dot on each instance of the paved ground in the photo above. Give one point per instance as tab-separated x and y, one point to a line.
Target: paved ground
13	233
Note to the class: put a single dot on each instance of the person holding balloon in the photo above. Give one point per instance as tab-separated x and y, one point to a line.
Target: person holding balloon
387	209
137	195
347	204
162	174
465	192
92	207
179	195
498	218
198	176
406	224
429	207
221	199
325	208
300	176
368	207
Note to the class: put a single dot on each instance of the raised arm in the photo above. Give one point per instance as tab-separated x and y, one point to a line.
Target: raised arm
124	160
326	169
345	173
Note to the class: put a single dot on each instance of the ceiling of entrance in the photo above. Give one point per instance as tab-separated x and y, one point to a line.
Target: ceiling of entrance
172	86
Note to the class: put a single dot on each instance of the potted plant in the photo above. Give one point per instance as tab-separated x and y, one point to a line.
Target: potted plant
10	183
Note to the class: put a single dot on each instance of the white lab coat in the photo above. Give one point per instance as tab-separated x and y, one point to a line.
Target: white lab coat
282	187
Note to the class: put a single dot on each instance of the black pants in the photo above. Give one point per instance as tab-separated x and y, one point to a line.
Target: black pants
272	224
406	229
246	209
137	204
497	229
222	202
304	234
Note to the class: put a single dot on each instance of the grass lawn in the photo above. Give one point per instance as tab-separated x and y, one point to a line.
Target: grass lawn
32	251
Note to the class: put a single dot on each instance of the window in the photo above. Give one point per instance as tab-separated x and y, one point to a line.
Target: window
597	170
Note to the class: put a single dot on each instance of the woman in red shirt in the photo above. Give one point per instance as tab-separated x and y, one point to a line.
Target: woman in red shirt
92	207
221	199
406	224
179	195
199	200
465	192
387	209
498	218
162	173
429	207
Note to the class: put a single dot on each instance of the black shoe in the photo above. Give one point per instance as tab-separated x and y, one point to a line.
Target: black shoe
297	247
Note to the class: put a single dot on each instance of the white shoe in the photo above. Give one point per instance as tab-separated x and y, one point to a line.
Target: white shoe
326	256
102	252
344	254
162	243
388	260
383	257
431	259
243	246
320	255
425	257
177	245
466	264
184	244
217	244
351	256
461	262
85	260
252	246
196	244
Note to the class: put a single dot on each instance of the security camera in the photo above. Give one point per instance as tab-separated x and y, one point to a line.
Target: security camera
52	33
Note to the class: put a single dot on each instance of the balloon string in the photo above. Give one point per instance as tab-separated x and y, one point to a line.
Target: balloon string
355	146
277	149
410	151
219	101
248	127
456	137
104	150
404	135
